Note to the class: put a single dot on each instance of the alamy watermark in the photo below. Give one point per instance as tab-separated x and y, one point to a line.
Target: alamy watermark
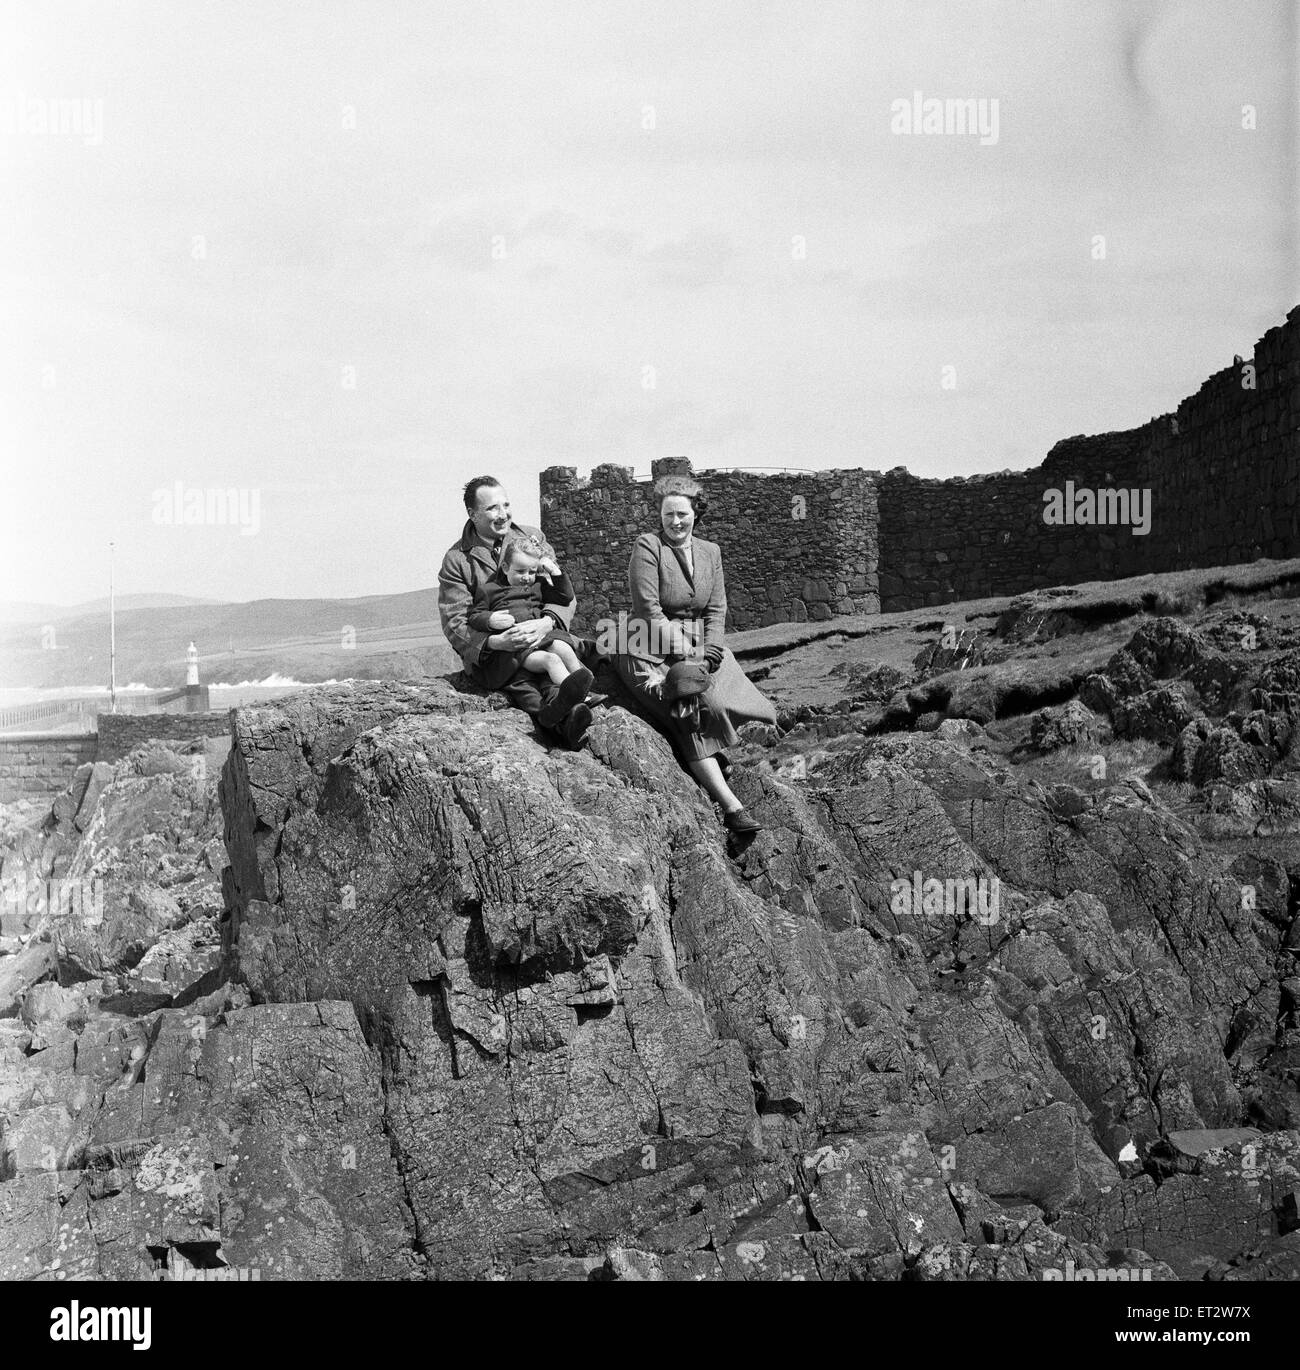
73	1322
629	636
1082	506
1100	1274
53	117
24	902
235	505
956	118
979	897
227	1274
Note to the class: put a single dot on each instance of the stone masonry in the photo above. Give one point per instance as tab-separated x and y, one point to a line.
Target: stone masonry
118	733
795	547
35	765
1220	476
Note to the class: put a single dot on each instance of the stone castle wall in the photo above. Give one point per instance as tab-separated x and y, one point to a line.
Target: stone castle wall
1223	472
1220	475
795	547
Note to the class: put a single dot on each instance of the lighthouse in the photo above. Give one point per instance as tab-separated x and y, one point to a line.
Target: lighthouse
196	695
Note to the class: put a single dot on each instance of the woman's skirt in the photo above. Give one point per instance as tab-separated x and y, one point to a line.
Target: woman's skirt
732	698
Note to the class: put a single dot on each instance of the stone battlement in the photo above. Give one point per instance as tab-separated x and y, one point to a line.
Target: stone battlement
795	547
1220	477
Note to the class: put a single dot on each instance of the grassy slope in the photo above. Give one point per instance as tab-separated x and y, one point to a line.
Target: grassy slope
398	636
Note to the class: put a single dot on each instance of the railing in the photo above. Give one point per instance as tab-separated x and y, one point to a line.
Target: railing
136	702
23	716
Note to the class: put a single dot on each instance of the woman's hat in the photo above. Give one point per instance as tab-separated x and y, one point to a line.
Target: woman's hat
685	680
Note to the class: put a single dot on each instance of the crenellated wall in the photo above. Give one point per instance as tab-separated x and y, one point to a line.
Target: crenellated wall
795	547
1219	478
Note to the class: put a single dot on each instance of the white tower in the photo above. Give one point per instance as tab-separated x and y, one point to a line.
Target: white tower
192	665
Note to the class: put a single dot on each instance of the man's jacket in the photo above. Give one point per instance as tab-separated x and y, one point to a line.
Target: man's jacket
465	567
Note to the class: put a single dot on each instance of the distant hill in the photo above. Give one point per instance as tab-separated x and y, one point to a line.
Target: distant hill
308	639
21	611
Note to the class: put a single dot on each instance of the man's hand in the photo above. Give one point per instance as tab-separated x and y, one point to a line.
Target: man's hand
500	620
526	634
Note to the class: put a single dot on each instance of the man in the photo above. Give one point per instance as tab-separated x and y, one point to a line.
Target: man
470	562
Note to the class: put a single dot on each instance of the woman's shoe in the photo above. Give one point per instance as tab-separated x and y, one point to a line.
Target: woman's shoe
739	821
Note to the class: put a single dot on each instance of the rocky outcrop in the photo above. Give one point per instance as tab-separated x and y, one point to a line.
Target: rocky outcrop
1224	693
598	1032
471	1006
1071	724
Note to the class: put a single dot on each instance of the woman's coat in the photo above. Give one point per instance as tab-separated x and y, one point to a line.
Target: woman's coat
681	610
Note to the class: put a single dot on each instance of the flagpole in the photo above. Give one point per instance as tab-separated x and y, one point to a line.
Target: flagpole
112	637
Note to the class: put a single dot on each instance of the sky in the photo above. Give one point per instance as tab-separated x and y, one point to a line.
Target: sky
341	257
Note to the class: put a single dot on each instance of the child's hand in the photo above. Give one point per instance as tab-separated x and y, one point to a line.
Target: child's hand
549	565
500	620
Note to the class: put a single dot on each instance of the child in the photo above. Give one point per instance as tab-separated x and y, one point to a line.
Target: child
513	596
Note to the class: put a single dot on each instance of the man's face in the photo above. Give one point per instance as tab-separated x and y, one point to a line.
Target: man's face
522	569
491	512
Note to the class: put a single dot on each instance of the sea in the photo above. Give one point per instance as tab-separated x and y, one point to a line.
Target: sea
221	695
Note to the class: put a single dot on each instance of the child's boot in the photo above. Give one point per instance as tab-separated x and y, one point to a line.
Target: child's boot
573	689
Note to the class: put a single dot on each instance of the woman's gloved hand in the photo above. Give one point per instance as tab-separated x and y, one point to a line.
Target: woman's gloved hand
687	711
713	658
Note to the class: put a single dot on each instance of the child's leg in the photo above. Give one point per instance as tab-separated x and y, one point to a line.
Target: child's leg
545	663
566	655
577	678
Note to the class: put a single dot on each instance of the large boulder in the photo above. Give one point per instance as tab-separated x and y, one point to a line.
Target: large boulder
1071	724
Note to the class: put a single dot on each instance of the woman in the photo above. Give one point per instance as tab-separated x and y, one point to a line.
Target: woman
679	607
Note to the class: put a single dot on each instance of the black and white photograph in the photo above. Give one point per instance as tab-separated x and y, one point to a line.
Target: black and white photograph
650	642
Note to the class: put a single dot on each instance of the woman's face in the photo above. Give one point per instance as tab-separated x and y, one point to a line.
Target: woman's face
677	517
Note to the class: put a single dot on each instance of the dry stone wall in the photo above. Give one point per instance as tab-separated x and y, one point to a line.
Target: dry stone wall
118	733
1216	482
1219	480
796	546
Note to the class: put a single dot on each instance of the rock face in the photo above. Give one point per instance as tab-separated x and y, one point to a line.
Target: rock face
480	1008
598	1032
1226	694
